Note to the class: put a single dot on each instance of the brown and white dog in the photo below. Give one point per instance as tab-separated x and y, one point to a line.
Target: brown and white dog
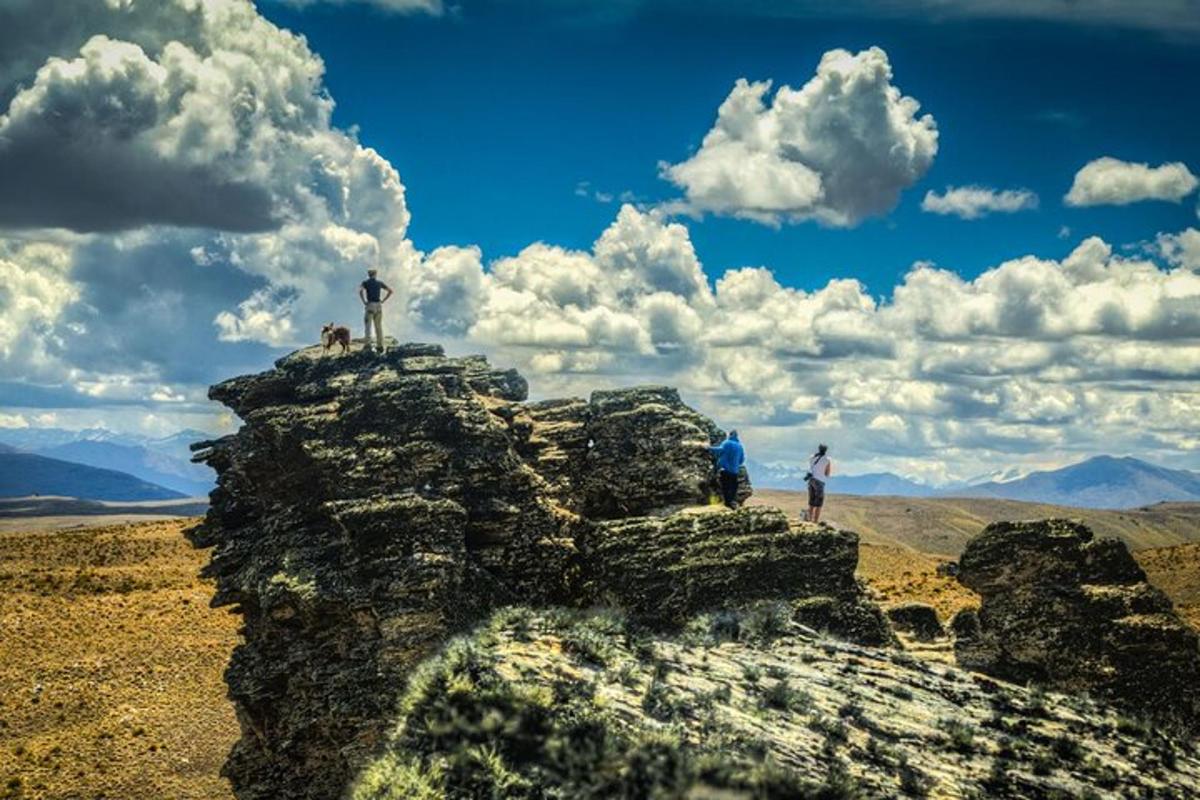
335	334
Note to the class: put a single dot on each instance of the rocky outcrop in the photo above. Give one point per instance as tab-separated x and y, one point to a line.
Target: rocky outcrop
919	619
555	704
1064	609
371	506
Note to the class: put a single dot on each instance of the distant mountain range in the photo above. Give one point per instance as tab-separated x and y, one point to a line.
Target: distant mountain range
140	461
23	474
1099	482
163	463
775	476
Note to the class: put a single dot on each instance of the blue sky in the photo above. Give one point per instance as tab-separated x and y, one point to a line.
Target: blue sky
604	194
494	117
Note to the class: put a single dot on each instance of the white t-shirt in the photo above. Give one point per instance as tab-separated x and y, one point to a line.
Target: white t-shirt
817	465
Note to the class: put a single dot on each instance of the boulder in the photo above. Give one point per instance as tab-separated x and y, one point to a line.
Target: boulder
1065	610
373	505
919	619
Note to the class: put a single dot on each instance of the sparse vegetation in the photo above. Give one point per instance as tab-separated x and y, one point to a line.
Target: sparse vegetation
1021	731
127	657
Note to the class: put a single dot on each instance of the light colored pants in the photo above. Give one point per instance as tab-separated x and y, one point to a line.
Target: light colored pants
373	315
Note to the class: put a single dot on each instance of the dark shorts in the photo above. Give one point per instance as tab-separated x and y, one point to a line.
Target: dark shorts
816	493
729	487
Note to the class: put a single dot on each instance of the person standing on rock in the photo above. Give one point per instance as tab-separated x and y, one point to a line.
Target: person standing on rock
730	457
373	293
819	470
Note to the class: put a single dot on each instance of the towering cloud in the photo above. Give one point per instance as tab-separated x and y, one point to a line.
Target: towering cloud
838	150
191	146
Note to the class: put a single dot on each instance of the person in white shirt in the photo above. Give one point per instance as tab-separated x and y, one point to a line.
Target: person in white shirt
819	470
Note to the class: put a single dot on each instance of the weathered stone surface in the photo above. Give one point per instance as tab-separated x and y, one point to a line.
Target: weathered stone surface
548	704
1062	609
919	619
668	568
372	505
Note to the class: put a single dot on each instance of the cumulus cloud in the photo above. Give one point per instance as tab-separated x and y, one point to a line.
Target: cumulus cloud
223	125
190	147
1181	249
35	289
1110	181
1093	351
973	202
838	150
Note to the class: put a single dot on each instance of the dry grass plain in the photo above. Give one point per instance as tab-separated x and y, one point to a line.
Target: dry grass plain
903	539
943	525
110	666
111	660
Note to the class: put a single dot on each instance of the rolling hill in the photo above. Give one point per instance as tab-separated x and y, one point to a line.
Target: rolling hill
23	474
943	525
777	476
1099	482
151	465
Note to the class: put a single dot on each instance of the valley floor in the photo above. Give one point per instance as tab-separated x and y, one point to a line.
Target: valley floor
110	666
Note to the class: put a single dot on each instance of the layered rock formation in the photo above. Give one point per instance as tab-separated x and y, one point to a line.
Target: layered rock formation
552	704
371	506
1063	609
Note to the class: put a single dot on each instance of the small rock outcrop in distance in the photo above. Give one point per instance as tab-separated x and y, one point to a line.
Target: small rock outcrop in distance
919	619
370	506
1063	609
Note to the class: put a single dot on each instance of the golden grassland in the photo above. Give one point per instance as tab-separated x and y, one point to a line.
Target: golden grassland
110	666
943	525
111	660
1176	570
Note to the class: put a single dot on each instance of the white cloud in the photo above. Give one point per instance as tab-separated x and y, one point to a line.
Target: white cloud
1034	358
973	202
446	289
259	318
35	288
145	126
13	421
1110	181
891	423
434	7
838	150
1181	249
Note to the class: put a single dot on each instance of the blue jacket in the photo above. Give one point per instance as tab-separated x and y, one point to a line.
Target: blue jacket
730	455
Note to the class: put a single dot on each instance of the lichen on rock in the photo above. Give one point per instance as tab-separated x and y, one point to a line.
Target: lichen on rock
556	704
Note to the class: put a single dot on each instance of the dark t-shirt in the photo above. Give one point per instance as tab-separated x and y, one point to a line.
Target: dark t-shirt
374	288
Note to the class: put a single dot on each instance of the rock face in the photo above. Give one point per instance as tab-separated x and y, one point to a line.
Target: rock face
370	506
1063	609
554	704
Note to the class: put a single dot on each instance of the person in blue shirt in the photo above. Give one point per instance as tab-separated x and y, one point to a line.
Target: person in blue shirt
730	458
373	293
